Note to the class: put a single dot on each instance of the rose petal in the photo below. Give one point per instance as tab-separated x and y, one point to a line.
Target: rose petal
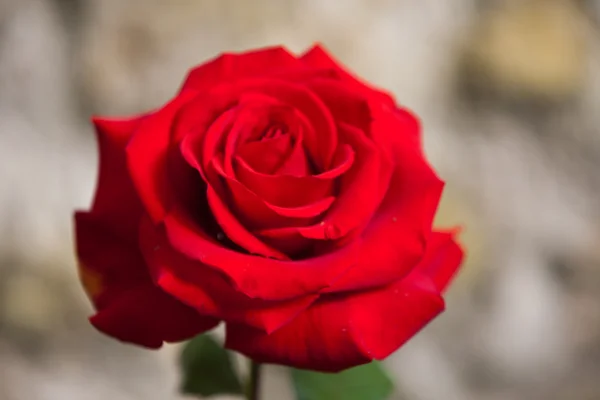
288	240
362	190
410	304
236	232
304	73
257	213
291	191
191	146
107	261
148	317
228	67
147	155
296	164
347	104
396	237
130	307
442	258
322	144
413	301
209	291
264	278
266	155
318	57
317	339
115	200
256	120
343	331
196	116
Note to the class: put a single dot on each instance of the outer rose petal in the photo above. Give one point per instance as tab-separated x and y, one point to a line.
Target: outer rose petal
395	239
317	339
130	307
416	298
147	157
342	331
107	263
347	104
112	271
442	259
261	277
318	57
115	200
228	67
113	220
209	291
147	316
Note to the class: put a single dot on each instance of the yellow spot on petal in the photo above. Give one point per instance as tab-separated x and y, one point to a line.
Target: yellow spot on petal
91	281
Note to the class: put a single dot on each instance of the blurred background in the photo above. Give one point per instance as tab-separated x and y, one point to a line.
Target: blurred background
509	95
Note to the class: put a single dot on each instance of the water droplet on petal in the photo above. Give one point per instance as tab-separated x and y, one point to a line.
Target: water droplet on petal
220	236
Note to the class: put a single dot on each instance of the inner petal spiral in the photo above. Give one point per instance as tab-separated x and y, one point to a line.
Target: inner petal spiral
273	158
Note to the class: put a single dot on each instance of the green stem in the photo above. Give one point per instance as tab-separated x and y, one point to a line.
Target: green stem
253	385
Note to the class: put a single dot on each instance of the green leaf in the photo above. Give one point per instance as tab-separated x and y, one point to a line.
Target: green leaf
366	382
207	369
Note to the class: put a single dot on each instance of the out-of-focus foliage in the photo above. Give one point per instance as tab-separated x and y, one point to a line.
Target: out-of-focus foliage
207	369
366	382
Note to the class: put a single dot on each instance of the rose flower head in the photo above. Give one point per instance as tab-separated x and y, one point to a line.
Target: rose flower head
278	194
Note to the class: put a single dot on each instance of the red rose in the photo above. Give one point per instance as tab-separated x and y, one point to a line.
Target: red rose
278	194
